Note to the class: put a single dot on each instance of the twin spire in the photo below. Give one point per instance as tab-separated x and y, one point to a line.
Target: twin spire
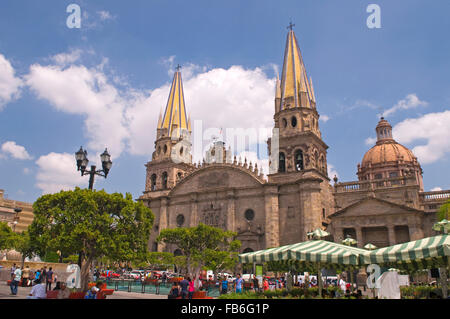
295	89
175	116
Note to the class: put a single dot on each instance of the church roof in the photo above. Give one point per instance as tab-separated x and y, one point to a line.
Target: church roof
175	116
294	79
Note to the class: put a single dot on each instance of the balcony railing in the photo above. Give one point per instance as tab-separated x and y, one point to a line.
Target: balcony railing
436	196
374	184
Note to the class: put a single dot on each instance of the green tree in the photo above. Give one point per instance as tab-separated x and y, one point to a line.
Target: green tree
93	223
158	259
444	211
221	260
201	245
7	236
23	245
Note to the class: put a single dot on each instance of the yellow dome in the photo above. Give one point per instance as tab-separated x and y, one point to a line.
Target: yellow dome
387	152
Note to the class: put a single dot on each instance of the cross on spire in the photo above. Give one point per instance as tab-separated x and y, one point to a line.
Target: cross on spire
178	68
290	25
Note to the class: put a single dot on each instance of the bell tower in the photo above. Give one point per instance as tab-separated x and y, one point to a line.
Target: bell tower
301	148
172	157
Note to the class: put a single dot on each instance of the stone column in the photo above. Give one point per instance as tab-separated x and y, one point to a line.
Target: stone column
391	235
272	215
359	237
311	206
231	210
194	211
163	220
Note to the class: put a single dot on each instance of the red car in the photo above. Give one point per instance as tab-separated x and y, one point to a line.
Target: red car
109	274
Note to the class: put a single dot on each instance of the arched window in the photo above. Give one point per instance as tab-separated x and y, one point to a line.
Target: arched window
294	121
164	180
165	149
180	220
282	163
153	182
298	160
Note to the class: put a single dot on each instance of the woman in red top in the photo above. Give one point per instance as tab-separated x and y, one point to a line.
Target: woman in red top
265	284
191	288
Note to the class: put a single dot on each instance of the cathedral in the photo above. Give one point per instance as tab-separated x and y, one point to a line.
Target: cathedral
387	205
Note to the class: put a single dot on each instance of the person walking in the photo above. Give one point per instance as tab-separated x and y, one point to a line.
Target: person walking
265	284
238	284
255	284
26	276
49	278
13	269
191	288
15	281
224	286
174	292
184	284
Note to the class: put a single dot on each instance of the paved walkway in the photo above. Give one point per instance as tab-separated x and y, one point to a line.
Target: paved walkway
23	292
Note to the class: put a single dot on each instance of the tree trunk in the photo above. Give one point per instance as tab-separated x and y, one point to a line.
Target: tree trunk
86	265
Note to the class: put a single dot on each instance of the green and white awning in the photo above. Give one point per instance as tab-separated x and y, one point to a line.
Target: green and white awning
422	253
313	251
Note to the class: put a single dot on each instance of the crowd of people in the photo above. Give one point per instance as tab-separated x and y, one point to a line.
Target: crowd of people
26	277
41	281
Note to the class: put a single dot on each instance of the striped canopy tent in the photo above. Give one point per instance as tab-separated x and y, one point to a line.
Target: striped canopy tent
426	253
313	251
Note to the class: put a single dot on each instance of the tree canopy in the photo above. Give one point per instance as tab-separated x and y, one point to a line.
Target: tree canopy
444	211
203	246
93	223
7	236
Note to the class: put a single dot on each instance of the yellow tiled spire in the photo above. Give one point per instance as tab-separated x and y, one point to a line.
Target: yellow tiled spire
296	90
175	116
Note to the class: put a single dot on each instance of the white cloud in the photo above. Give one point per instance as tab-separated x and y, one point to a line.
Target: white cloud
126	119
66	58
105	15
332	171
26	171
88	92
9	83
57	172
324	118
434	128
370	141
409	102
221	98
436	189
15	151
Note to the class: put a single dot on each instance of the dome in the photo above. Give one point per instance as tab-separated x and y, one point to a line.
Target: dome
387	152
13	255
388	159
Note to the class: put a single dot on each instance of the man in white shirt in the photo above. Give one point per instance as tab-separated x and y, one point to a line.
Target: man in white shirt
38	292
17	275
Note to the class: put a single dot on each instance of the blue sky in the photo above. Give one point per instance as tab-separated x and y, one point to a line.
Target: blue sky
104	84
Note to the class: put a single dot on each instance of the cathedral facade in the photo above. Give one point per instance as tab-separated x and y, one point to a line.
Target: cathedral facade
385	206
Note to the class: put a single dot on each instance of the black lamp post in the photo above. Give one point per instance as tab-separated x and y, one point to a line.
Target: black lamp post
82	163
16	217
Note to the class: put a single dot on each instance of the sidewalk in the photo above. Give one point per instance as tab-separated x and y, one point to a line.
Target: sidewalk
23	292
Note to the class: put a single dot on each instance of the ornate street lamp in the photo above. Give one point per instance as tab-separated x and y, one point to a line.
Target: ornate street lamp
83	161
